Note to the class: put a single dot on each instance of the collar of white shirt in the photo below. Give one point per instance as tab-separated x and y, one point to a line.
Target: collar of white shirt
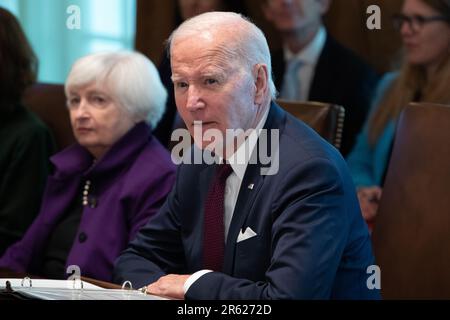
239	160
310	54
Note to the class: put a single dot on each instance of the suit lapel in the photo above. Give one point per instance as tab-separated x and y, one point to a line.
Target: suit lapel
322	82
251	186
243	207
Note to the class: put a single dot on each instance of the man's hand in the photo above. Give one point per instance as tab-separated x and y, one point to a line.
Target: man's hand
171	286
369	198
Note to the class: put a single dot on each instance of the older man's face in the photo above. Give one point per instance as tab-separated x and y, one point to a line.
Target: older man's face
210	87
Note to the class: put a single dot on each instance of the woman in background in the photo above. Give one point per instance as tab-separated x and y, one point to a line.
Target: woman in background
424	26
25	142
106	186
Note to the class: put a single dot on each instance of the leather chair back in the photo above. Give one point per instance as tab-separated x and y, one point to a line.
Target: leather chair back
411	235
327	119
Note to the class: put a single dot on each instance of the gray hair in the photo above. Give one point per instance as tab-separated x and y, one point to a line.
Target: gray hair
130	76
249	46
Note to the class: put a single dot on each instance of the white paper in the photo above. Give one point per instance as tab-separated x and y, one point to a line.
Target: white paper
46	289
47	283
86	294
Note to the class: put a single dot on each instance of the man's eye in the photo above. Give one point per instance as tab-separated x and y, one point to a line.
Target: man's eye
210	81
181	84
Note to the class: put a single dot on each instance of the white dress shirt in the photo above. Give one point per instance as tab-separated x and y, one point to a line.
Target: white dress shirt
238	161
308	57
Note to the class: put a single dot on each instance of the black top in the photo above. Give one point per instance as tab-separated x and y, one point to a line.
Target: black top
61	241
25	147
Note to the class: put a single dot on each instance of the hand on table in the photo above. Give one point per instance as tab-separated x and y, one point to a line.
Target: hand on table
171	286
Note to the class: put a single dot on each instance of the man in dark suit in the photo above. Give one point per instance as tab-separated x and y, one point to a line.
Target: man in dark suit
285	226
313	66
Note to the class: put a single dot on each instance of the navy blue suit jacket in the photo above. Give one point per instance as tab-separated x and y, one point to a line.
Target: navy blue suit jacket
342	78
311	239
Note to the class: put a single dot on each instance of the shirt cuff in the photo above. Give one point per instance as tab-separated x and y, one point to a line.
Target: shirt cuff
194	277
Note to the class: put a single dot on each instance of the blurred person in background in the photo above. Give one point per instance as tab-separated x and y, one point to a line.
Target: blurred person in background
424	76
25	142
313	66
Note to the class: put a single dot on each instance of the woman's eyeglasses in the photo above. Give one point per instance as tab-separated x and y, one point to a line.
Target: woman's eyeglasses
416	22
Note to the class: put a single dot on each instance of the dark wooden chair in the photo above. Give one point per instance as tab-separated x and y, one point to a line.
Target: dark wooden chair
327	119
411	235
48	101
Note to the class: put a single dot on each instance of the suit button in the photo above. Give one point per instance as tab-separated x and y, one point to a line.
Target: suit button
92	201
82	237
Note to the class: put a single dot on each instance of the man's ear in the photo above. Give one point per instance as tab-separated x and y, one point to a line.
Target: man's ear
261	78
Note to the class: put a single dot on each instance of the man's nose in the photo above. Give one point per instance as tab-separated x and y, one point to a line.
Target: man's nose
194	99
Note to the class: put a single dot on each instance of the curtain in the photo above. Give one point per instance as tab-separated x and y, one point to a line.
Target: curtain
57	39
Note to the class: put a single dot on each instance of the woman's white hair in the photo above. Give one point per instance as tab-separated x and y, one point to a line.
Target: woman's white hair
130	77
249	46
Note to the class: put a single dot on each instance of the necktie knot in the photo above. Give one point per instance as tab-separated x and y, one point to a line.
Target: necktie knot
223	171
294	65
291	89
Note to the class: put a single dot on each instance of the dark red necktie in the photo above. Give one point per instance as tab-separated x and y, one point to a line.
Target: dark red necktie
213	228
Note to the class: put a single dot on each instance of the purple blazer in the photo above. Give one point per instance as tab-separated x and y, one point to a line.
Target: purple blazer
128	185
